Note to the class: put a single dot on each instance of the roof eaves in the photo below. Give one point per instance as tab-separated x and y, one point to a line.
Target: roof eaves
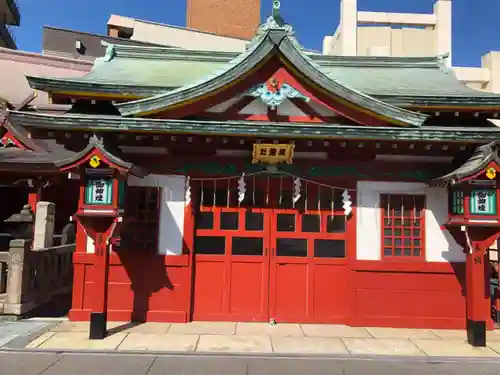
97	143
97	123
482	156
236	68
308	67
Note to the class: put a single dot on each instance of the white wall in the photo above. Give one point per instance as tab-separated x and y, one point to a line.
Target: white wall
172	209
439	244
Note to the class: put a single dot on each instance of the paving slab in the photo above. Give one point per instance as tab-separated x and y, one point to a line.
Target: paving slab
80	340
68	326
40	340
492	336
360	346
234	344
451	348
149	327
159	342
258	329
10	331
401	333
25	364
332	330
108	364
494	345
450	334
309	345
204	328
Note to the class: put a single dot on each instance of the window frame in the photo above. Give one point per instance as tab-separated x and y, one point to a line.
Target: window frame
383	215
131	191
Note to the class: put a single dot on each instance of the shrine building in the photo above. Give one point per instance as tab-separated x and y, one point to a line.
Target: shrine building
275	185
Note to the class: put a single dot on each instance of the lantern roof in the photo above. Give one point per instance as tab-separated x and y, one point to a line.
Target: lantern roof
483	158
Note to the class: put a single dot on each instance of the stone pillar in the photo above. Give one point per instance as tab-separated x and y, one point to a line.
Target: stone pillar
349	27
44	225
16	280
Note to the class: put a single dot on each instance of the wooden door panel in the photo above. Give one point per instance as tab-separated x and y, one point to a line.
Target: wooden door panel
290	289
329	293
249	290
209	289
244	286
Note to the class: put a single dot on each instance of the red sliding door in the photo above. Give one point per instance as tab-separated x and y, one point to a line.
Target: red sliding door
268	258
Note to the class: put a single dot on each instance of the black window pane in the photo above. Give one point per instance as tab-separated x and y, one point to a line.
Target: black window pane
205	220
247	246
286	223
254	221
335	224
229	221
329	248
311	223
288	247
209	199
328	197
253	199
285	200
210	245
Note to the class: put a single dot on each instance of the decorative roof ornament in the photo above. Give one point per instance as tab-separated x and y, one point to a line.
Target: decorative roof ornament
274	99
110	52
273	22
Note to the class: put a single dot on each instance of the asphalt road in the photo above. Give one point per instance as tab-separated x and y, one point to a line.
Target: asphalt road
35	363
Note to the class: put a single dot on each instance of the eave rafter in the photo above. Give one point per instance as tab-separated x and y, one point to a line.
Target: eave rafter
272	40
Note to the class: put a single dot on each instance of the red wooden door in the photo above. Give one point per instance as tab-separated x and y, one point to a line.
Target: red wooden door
232	254
268	258
308	255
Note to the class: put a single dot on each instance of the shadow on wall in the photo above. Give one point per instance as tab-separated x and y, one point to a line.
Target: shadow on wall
147	269
148	274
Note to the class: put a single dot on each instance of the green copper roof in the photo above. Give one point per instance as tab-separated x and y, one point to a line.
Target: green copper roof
144	71
97	123
271	39
140	71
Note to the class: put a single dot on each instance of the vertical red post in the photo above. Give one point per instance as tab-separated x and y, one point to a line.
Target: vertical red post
34	196
477	294
98	316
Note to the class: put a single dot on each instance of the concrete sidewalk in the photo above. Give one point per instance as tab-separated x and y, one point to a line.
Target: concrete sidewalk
227	337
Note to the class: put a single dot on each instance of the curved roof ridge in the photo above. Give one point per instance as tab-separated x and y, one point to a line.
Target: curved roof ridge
269	37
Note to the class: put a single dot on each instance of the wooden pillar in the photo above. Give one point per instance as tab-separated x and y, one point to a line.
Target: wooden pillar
477	293
98	316
34	196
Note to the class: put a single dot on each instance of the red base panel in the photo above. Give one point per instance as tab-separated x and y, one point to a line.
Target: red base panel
366	293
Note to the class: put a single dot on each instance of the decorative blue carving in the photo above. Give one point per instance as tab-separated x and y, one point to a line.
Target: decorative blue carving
274	99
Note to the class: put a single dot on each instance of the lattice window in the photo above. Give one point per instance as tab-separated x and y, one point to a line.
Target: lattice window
141	217
403	226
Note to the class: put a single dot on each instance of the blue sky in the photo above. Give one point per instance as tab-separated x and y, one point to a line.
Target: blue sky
476	23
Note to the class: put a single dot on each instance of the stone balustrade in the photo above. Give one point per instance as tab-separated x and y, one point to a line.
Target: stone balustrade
32	278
